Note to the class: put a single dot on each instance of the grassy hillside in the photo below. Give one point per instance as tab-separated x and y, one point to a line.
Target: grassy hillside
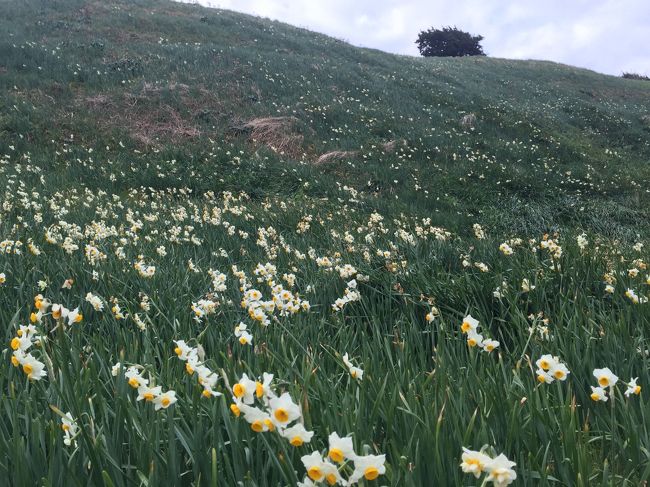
173	173
553	145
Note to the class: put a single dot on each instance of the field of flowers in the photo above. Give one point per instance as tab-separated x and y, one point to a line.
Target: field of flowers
370	294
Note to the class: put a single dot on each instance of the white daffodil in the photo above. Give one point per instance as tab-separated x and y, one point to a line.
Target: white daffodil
369	466
605	377
598	394
244	390
164	400
469	324
500	471
283	409
355	372
148	393
633	387
559	371
297	435
474	462
340	449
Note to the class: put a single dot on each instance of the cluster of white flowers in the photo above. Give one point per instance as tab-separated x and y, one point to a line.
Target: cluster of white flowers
146	391
550	369
194	364
499	469
470	327
25	337
606	381
341	458
349	295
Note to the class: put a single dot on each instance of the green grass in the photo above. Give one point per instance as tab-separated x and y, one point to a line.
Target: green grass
122	128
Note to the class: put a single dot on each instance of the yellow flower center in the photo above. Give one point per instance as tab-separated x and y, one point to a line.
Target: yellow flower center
558	374
594	396
235	410
189	369
165	402
541	378
15	343
637	390
257	426
56	314
259	389
475	461
281	415
14	361
28	369
78	318
545	365
315	473
269	424
489	348
331	479
133	382
38	303
178	351
65	427
33	317
148	396
603	381
296	441
336	454
206	393
472	342
371	473
465	327
243	340
19	333
239	390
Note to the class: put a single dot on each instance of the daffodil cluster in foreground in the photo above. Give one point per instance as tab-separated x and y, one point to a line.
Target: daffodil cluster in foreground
499	469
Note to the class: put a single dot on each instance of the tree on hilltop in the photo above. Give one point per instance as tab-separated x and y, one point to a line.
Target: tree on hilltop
449	41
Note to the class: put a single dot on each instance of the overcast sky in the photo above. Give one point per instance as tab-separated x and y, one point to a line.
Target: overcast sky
609	36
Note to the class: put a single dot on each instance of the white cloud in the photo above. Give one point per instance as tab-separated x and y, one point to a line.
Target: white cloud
609	36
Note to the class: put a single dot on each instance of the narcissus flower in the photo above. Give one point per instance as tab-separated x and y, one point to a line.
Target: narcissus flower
183	350
369	467
283	409
314	465
469	324
605	377
297	435
148	393
259	420
559	371
598	394
245	390
69	428
474	462
164	400
633	387
263	389
245	338
33	368
355	372
545	362
474	339
500	471
135	378
340	449
489	345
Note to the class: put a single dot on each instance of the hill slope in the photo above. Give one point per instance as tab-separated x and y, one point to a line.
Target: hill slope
553	146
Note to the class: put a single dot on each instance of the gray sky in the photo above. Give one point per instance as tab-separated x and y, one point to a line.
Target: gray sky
609	36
